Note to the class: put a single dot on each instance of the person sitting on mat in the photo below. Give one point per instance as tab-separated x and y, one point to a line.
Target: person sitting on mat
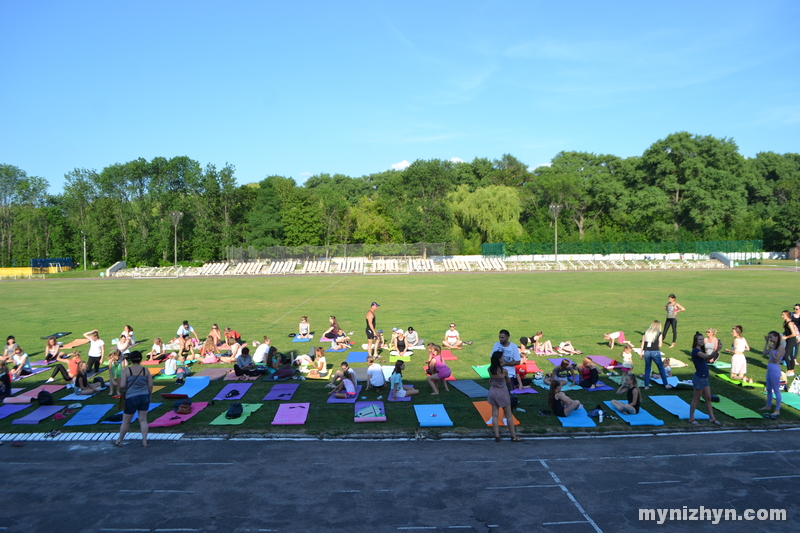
124	345
412	337
22	364
244	364
208	351
82	385
375	377
157	352
437	371
185	331
345	371
588	374
561	404
73	367
128	332
341	342
346	389
616	336
320	364
262	349
400	343
216	335
631	388
304	328
521	370
452	339
563	372
229	332
330	333
232	352
396	382
51	350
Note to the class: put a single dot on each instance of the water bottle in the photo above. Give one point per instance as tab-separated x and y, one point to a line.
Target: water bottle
601	417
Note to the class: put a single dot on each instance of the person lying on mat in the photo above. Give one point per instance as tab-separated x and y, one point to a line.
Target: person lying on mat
244	364
304	328
82	385
563	372
51	350
561	404
588	374
22	364
566	348
437	370
541	347
412	337
346	389
157	352
73	367
396	382
345	371
631	388
375	378
304	363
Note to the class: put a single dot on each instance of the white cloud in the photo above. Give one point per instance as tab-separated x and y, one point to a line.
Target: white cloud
531	169
402	165
456	160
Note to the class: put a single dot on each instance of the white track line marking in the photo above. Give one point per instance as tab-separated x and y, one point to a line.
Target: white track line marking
656	482
522	487
571	497
774	477
564	523
292	310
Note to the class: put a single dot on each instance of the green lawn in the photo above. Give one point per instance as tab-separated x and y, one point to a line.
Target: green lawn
579	306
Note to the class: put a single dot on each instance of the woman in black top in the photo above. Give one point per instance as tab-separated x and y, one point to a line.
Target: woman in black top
630	387
790	334
700	380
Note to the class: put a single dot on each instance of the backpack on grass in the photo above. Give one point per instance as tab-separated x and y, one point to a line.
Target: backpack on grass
234	411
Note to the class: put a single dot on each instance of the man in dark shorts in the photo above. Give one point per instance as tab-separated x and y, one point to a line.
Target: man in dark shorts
372	333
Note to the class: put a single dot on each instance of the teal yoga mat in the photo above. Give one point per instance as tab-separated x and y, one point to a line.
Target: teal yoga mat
677	406
642	418
578	418
432	415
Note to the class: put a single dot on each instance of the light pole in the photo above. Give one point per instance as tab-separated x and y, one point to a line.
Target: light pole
83	234
176	217
555	210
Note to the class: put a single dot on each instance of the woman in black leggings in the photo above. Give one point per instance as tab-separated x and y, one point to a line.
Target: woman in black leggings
672	308
790	335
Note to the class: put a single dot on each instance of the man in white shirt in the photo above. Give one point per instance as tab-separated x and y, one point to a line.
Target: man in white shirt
375	377
260	355
510	351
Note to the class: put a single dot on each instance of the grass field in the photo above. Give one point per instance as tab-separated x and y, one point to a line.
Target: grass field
579	306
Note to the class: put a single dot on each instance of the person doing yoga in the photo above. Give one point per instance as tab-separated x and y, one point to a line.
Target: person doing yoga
672	308
561	404
631	388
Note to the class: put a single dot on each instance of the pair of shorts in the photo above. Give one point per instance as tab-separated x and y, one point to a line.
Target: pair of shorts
699	383
370	334
137	403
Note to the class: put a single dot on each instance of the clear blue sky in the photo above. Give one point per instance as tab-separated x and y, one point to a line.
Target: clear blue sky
301	88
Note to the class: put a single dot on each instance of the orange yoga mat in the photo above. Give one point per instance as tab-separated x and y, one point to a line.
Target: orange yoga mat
486	412
75	344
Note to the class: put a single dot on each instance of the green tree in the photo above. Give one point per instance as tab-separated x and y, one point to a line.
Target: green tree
492	212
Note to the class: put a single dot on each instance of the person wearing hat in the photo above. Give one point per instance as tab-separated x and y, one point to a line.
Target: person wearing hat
371	330
412	337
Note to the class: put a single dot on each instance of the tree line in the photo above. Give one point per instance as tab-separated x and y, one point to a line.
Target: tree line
682	188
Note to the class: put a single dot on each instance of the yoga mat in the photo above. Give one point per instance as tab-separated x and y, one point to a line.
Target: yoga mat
432	415
39	414
447	355
409	353
642	418
29	396
241	388
618	380
564	388
247	410
470	388
601	360
578	418
75	344
391	398
599	386
787	398
485	411
395	358
734	410
369	412
192	386
482	371
89	415
173	419
557	360
300	339
336	351
43	362
33	373
8	410
726	377
357	357
678	407
361	373
78	397
721	365
57	335
151	362
135	415
672	380
282	391
531	367
291	414
334	399
214	374
524	391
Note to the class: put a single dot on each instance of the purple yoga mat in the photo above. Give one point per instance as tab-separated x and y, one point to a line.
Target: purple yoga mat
38	415
599	386
282	391
43	362
524	391
291	414
241	387
557	360
10	409
334	399
601	360
391	397
34	372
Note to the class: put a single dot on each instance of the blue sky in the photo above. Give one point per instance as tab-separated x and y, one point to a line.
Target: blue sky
302	88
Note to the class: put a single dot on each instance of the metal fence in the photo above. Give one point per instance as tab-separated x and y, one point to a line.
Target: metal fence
310	253
503	249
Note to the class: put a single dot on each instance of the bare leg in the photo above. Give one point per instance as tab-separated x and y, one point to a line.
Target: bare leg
123	429
509	416
143	427
495	422
693	404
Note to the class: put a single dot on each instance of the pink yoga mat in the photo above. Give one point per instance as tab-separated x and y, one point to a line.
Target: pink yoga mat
447	355
291	414
214	374
241	388
173	419
282	391
29	396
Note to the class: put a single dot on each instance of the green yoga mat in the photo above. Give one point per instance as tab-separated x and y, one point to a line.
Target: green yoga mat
721	365
395	358
482	371
733	409
790	399
725	377
247	410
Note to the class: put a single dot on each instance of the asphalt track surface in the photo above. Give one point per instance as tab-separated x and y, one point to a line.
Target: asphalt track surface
557	484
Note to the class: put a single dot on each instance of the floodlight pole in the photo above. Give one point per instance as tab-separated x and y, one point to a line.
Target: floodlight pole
555	210
176	217
83	234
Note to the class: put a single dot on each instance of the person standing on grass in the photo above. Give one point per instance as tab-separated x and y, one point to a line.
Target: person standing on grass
700	380
651	353
790	335
97	350
371	330
137	383
672	308
511	357
499	397
774	350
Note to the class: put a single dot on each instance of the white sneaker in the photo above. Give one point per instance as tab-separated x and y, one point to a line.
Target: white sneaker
69	385
50	380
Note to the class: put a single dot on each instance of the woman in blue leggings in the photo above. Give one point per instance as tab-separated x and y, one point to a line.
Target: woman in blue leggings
775	351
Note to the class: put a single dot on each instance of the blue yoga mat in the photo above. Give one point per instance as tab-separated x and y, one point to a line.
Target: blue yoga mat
10	409
578	418
336	351
470	388
678	407
135	415
89	415
299	339
357	357
643	418
672	381
432	415
192	386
